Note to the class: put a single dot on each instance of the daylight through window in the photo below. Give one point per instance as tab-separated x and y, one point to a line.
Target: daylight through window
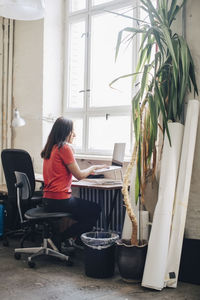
101	114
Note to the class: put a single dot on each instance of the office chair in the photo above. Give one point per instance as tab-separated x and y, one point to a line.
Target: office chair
40	216
17	160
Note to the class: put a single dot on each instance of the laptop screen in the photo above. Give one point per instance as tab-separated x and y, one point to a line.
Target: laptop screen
118	154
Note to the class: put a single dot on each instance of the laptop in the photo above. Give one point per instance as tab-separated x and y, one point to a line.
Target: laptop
117	159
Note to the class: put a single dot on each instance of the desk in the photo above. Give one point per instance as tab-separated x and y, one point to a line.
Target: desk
103	184
100	184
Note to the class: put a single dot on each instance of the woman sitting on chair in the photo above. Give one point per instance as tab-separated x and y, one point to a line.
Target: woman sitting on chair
58	167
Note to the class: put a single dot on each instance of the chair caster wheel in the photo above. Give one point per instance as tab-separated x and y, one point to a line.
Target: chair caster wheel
69	262
5	243
31	264
17	256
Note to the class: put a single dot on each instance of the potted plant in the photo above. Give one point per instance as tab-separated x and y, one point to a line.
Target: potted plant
165	72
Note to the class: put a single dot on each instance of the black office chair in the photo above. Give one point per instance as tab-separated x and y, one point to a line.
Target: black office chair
17	160
40	216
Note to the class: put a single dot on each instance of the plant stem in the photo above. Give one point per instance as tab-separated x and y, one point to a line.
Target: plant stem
127	202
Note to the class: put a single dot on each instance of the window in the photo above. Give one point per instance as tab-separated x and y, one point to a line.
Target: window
101	114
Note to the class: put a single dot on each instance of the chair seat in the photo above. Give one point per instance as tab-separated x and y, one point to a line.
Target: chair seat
40	213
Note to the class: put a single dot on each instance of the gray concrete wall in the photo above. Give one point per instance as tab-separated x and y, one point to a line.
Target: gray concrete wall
192	27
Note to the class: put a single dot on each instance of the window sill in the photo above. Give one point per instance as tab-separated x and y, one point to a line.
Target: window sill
98	157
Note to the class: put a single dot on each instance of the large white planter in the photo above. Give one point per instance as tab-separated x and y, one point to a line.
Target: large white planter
182	193
156	260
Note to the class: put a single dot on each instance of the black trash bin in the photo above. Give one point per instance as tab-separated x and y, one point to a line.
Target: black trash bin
99	253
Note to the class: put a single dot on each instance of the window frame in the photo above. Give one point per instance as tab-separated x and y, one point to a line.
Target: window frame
85	112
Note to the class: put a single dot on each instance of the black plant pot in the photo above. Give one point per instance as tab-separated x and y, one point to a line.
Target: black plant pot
130	260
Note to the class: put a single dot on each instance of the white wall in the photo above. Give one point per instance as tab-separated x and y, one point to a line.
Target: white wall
38	69
53	63
28	85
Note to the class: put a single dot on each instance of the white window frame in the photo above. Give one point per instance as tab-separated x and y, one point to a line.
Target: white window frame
87	111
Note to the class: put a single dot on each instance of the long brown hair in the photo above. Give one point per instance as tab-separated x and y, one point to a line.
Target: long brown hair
60	131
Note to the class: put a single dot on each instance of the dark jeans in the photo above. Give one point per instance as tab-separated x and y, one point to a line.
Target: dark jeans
84	212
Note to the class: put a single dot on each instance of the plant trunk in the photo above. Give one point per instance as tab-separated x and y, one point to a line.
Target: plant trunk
134	240
127	202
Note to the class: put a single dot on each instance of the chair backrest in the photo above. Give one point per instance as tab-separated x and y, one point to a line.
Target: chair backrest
17	160
24	186
23	191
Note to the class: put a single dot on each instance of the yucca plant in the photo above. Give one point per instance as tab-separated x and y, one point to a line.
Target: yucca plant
164	73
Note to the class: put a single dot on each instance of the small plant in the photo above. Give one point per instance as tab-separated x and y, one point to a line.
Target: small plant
164	74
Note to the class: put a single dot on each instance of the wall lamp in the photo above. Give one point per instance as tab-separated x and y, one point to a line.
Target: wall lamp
17	120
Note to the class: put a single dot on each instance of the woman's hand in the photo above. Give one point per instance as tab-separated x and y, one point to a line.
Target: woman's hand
81	174
97	167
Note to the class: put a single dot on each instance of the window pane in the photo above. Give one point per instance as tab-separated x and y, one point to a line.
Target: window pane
76	64
77	5
104	133
104	69
78	129
97	2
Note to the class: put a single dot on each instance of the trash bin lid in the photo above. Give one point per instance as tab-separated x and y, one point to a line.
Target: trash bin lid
99	239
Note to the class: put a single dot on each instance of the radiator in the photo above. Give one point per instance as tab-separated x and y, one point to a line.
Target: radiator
104	199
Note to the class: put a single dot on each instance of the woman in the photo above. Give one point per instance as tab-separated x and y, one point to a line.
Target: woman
58	167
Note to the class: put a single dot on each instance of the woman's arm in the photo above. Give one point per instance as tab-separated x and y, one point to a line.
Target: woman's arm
81	174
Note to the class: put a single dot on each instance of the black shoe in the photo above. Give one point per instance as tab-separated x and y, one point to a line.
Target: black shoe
78	243
68	248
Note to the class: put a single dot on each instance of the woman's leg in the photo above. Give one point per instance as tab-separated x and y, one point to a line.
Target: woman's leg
84	212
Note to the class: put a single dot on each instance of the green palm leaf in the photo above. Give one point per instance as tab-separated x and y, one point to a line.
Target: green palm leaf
165	77
119	38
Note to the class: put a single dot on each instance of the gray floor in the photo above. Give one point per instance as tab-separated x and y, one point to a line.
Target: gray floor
52	280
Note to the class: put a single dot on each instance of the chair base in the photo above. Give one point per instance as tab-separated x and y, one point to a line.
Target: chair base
48	248
11	233
23	232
